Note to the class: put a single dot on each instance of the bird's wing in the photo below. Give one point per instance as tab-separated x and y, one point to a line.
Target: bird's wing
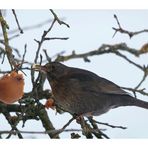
87	80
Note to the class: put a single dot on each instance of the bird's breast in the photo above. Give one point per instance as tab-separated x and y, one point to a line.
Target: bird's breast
64	95
59	90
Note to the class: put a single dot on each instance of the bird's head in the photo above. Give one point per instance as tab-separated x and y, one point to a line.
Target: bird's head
53	70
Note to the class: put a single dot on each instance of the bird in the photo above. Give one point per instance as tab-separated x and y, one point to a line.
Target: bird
11	87
83	93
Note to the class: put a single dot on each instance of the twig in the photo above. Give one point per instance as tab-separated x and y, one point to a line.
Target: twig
23	58
47	57
143	79
42	40
14	36
63	128
25	51
12	124
3	58
56	38
13	11
31	27
58	20
141	91
129	33
40	132
97	131
131	62
68	123
107	124
104	135
16	50
4	72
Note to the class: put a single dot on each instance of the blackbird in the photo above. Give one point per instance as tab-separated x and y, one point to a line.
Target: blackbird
82	92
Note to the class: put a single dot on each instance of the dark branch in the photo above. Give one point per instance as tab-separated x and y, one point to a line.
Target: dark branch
58	20
109	125
20	29
129	33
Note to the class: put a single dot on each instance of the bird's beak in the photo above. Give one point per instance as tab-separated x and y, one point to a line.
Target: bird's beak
39	67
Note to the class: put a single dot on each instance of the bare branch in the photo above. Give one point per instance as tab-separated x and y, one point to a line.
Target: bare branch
47	124
31	27
63	128
21	30
8	50
104	49
99	133
143	79
58	20
42	40
129	33
141	91
40	132
56	38
107	124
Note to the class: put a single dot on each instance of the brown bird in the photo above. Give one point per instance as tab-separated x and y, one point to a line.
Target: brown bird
82	92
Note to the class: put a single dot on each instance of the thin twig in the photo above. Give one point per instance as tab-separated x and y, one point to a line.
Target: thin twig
42	39
23	58
143	79
107	124
141	91
21	30
47	57
31	27
12	124
127	59
25	51
57	132
14	36
41	132
56	38
129	33
58	20
14	49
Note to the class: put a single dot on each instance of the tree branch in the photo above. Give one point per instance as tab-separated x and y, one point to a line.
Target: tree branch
8	50
21	30
129	33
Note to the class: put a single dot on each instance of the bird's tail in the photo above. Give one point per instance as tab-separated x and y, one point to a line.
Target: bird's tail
131	101
140	103
127	100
